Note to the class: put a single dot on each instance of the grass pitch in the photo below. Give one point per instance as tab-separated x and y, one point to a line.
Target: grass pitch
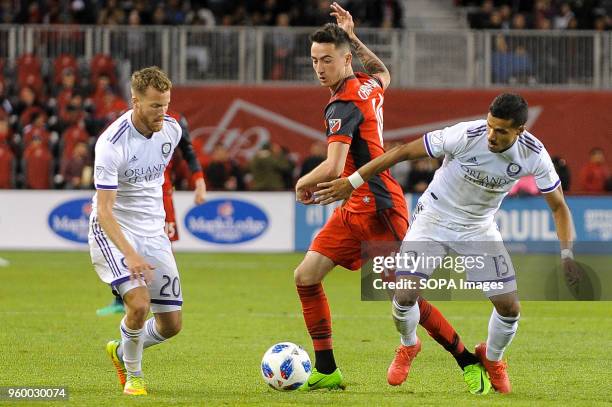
237	305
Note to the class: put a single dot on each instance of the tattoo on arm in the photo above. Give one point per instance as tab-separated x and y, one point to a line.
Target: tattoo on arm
370	61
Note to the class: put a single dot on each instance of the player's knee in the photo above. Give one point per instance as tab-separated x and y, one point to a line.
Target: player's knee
138	310
301	276
406	298
510	309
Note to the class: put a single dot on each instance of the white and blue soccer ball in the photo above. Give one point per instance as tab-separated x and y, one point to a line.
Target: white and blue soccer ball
285	366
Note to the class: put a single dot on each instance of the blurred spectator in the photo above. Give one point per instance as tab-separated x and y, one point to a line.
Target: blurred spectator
175	14
519	22
267	168
5	104
109	107
563	171
111	14
595	173
282	48
222	172
76	171
37	130
566	15
27	104
318	153
421	174
508	66
73	112
526	186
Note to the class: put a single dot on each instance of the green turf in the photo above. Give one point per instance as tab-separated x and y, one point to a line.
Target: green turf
237	305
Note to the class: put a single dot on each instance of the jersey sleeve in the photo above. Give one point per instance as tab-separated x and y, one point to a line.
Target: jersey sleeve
188	152
106	165
446	141
342	120
545	175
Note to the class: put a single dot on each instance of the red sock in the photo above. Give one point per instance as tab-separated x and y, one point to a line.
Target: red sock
439	328
317	315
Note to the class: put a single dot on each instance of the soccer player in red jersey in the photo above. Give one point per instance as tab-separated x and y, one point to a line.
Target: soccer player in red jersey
189	155
375	212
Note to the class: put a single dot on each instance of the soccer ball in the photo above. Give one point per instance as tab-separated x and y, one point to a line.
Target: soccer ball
285	366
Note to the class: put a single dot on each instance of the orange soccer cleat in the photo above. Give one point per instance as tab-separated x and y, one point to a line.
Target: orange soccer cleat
496	370
399	368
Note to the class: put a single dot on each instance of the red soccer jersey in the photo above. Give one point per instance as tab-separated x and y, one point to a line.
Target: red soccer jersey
354	116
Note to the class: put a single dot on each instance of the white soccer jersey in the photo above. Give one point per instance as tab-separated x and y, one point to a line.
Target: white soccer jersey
472	182
134	165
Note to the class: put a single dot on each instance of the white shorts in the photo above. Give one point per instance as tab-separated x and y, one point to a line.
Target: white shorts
481	249
109	263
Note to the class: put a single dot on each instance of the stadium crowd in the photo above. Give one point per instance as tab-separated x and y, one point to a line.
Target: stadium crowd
386	13
540	14
51	114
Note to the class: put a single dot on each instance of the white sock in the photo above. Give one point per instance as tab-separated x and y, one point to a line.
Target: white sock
406	320
131	345
501	332
150	335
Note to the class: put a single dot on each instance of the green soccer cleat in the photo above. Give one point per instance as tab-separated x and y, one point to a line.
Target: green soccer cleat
135	386
476	378
114	308
111	350
316	381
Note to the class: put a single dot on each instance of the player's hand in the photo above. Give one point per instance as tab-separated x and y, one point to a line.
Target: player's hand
139	268
170	229
333	191
343	19
573	272
200	192
304	196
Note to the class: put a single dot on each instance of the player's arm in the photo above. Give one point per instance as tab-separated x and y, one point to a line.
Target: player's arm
343	188
371	63
328	170
136	264
565	232
192	161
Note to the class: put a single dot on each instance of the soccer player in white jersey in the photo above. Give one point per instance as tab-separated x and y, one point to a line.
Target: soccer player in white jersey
483	159
129	248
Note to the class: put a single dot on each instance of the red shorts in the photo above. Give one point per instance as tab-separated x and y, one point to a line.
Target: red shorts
171	227
342	236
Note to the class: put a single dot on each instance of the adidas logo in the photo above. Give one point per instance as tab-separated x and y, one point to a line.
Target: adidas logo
473	160
133	159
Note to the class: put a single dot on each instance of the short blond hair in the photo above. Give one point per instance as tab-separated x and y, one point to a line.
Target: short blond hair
151	76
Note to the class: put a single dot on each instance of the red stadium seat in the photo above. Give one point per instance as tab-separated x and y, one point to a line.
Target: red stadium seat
102	64
28	64
64	61
7	166
70	137
37	166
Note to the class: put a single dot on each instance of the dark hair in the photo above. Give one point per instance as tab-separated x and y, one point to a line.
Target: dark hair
509	106
331	33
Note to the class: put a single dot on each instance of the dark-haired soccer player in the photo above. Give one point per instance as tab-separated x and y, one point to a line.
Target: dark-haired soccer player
377	212
483	159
